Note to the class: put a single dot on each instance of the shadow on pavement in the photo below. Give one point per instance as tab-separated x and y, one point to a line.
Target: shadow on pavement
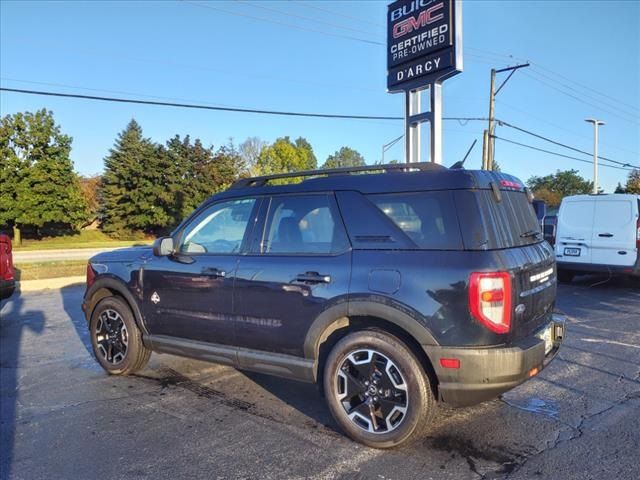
14	322
72	302
304	397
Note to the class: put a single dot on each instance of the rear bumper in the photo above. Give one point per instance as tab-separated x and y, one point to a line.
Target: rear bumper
598	268
485	373
7	287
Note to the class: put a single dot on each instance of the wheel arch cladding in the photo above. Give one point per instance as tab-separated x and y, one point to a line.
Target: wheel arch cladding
337	322
110	287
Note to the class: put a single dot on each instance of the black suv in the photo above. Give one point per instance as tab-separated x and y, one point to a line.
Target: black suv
393	287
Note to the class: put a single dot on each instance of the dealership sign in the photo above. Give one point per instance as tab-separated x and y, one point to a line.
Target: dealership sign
424	42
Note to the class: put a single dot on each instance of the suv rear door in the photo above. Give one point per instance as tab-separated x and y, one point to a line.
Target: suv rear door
614	230
299	265
575	230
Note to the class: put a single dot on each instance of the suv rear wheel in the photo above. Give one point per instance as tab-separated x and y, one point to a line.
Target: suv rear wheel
116	339
377	390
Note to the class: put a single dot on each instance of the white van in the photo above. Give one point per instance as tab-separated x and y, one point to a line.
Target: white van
598	233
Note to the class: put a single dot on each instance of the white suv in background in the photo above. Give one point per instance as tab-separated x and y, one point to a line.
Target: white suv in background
598	233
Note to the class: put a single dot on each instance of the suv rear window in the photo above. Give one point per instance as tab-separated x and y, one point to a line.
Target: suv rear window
487	224
428	218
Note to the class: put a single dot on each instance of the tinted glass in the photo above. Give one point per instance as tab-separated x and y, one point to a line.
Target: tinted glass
218	229
488	224
428	218
300	224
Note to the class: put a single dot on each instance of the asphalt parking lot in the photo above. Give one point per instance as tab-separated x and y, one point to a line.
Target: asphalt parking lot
63	417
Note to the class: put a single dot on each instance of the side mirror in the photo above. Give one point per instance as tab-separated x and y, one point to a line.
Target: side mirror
163	247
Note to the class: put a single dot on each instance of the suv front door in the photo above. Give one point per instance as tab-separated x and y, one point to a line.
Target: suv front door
299	265
189	294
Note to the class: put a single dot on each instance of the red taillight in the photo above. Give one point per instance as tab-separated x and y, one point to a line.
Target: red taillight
638	233
490	299
91	275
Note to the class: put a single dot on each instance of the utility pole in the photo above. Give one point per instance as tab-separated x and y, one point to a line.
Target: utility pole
596	124
489	145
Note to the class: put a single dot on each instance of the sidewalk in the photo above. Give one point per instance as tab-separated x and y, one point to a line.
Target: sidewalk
57	255
48	283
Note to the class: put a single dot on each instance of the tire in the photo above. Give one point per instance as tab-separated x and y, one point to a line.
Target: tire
349	386
116	339
565	276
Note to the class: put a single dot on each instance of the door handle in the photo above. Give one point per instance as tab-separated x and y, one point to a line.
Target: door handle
313	277
214	272
606	235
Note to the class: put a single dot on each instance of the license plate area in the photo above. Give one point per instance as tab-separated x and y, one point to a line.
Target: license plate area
572	252
547	336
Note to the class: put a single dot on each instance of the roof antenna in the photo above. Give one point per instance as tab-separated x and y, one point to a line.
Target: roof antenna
460	164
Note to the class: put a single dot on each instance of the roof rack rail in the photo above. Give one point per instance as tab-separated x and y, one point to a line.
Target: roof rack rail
402	167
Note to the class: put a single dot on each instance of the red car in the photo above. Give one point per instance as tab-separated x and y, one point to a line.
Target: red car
7	274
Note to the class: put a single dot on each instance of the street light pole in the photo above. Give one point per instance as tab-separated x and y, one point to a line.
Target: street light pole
596	124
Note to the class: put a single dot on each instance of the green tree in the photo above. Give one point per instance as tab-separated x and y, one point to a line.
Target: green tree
284	156
139	184
633	182
345	157
306	149
620	189
201	172
38	184
559	185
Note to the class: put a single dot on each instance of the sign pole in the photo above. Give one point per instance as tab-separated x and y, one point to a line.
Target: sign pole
413	145
424	48
435	90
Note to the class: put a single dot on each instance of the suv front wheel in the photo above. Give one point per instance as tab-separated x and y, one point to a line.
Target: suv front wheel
116	339
377	390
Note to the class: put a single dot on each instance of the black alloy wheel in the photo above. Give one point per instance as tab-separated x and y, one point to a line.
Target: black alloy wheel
377	389
116	338
111	336
372	391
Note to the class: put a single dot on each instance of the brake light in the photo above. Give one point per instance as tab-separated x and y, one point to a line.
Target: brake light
91	275
510	184
638	234
490	299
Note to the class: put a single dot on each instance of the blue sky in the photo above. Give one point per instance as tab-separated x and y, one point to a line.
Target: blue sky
180	50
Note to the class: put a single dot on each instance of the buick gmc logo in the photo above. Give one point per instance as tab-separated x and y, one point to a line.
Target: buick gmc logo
426	17
414	6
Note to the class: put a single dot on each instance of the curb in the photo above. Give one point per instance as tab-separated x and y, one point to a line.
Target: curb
48	283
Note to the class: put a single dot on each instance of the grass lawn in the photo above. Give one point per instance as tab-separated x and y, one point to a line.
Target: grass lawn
85	239
42	270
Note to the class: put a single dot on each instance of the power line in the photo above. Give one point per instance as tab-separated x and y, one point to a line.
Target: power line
556	153
461	120
560	144
536	75
302	17
537	65
198	106
582	100
504	58
308	4
560	127
290	25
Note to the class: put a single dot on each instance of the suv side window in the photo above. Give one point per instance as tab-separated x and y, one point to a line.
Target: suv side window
218	229
428	218
304	224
